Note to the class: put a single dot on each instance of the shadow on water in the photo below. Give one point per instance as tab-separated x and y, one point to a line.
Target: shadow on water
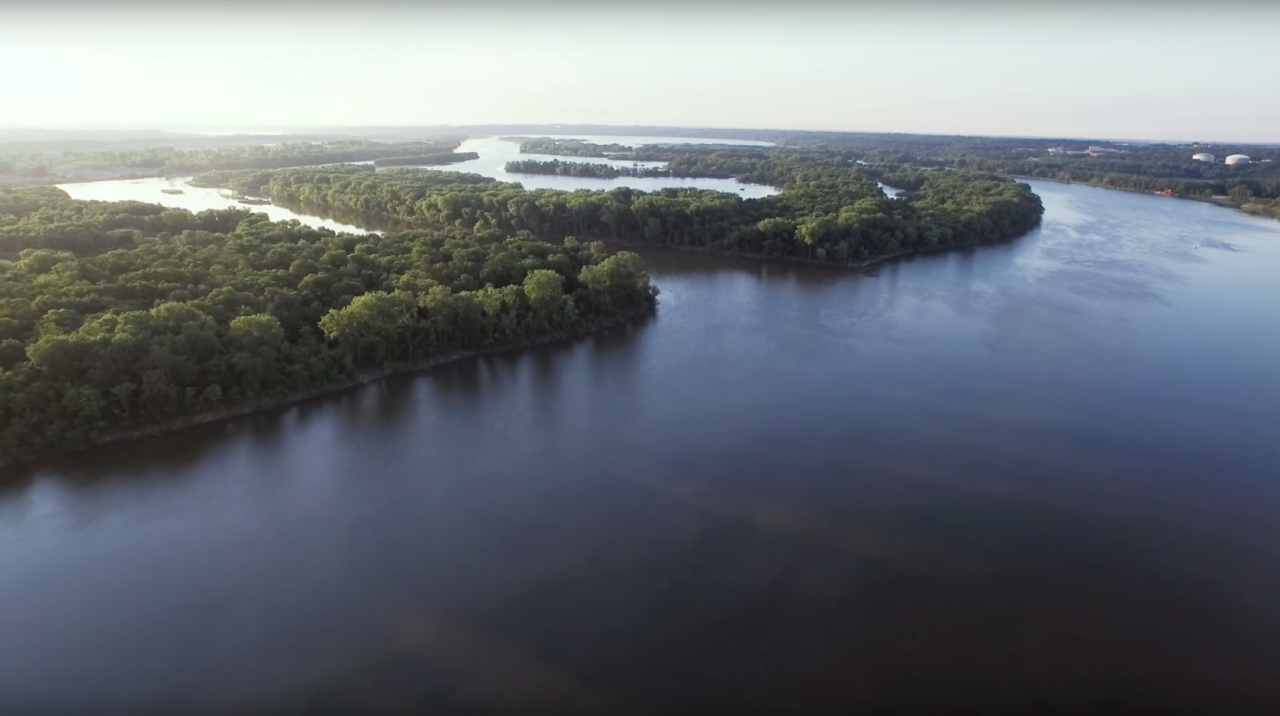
384	402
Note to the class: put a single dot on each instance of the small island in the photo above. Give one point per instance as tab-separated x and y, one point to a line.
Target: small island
568	147
555	167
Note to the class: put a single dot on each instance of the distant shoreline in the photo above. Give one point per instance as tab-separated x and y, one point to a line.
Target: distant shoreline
1215	200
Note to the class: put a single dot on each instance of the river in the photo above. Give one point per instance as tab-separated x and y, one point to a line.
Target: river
494	155
1043	472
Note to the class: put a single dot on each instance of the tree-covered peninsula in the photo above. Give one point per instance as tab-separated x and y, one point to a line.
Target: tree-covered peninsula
825	212
120	317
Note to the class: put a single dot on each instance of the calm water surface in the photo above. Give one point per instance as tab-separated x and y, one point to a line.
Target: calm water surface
192	198
1041	473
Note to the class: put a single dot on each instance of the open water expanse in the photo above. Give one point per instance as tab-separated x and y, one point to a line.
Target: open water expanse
1043	474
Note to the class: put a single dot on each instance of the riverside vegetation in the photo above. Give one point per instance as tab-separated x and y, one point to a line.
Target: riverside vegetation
122	316
826	212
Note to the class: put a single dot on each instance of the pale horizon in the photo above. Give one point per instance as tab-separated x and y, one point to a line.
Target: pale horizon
1051	70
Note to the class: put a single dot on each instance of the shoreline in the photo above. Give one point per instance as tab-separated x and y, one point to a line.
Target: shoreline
362	378
1224	202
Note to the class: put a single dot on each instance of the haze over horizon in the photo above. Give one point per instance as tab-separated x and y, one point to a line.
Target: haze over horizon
1145	72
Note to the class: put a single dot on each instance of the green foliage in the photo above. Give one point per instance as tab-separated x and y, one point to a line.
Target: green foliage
210	311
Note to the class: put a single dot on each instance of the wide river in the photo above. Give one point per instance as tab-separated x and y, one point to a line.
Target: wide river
1039	474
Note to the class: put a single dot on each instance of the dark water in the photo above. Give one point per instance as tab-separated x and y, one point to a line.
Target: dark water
1042	474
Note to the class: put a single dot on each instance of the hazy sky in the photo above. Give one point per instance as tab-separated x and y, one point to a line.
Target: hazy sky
1115	70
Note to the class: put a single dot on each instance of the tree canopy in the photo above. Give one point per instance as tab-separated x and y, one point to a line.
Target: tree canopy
827	211
120	315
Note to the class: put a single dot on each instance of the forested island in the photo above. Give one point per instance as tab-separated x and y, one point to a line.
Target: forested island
118	318
556	167
567	147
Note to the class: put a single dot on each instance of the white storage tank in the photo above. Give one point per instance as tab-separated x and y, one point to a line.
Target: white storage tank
1202	157
1237	159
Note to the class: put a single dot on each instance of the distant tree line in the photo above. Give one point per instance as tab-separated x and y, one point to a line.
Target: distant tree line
124	315
1242	184
192	161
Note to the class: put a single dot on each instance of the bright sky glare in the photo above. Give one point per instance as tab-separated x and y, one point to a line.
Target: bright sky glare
1064	70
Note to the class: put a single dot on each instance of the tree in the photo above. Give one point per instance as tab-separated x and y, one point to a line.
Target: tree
544	289
377	321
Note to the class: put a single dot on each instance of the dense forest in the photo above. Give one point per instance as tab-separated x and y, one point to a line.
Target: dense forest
116	316
825	212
